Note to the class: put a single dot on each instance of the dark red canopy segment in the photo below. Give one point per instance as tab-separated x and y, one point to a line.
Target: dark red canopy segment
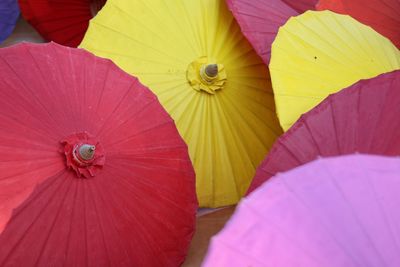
260	20
93	171
61	21
301	5
382	15
361	118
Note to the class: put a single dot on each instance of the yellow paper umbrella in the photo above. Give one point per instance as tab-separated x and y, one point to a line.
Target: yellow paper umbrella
194	57
319	53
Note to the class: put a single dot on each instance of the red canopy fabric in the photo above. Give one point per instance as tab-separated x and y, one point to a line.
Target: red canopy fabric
260	20
361	118
61	21
93	171
382	15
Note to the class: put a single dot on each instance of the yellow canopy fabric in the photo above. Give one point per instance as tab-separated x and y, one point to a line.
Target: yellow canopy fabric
319	53
194	57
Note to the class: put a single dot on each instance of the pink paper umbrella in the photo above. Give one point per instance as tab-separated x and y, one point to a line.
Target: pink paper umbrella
333	212
260	19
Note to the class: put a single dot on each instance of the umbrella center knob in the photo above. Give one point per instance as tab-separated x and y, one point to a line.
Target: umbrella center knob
209	72
84	154
205	75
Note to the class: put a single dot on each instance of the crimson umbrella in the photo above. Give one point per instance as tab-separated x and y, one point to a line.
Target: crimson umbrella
335	212
382	15
361	118
260	20
93	171
9	13
61	21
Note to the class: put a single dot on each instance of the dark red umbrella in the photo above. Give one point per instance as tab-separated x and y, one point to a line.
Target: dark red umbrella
92	169
361	118
382	15
61	21
260	20
301	5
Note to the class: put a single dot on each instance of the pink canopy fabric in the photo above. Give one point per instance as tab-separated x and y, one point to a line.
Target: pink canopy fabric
333	212
361	118
260	20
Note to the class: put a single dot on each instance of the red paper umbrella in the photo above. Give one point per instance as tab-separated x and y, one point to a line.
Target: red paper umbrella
61	21
382	15
361	118
260	20
92	169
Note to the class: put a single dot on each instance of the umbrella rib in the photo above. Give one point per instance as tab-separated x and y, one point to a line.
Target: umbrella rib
305	123
27	87
71	221
5	260
244	121
138	223
103	86
280	230
249	257
293	154
24	125
384	214
233	133
128	138
139	22
25	172
147	183
256	115
353	213
116	107
323	225
195	41
53	224
330	99
107	205
103	238
141	44
132	118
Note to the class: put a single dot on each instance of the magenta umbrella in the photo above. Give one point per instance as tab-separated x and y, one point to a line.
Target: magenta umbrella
333	212
260	20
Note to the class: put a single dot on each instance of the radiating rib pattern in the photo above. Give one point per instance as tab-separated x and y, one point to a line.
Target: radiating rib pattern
319	53
362	118
138	210
229	132
332	212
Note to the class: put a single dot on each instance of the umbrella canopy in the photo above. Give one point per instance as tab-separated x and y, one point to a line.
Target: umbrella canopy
260	19
301	5
319	53
362	118
205	73
382	15
332	212
9	13
93	171
61	21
